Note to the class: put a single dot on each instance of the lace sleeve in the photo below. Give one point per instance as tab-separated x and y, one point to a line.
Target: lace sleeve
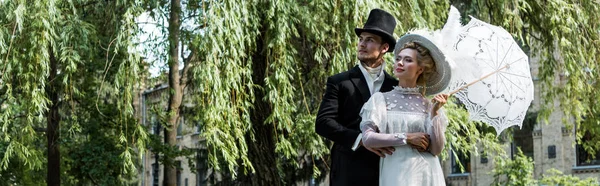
436	127
373	116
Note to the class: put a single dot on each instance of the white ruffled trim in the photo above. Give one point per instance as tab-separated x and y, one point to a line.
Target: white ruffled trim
409	90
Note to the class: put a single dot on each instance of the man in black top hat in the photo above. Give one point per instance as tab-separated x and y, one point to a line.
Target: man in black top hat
338	119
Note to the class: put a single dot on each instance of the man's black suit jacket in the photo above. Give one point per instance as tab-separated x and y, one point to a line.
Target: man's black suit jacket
338	120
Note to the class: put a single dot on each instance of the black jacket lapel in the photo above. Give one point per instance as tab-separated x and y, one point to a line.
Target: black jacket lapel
358	79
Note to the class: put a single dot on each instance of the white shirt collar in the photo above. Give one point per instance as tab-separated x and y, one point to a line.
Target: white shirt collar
376	83
368	76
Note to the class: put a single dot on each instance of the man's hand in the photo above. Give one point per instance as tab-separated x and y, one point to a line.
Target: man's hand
382	151
418	140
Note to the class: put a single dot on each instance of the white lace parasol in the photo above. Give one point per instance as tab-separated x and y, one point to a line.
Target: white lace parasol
492	79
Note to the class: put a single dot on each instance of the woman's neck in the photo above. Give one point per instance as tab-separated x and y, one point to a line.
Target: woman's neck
406	83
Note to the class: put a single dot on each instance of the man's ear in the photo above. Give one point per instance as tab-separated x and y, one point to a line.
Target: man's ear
385	47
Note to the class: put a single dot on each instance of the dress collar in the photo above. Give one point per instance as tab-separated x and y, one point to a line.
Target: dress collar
409	90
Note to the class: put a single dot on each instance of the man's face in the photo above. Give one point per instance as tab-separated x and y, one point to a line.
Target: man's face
370	47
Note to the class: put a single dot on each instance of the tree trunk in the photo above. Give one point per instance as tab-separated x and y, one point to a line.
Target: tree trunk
53	119
261	152
175	90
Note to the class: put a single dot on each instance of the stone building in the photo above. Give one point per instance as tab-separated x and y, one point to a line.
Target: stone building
151	173
551	146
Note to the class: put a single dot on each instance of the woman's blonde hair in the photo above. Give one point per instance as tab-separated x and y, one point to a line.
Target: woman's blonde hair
424	60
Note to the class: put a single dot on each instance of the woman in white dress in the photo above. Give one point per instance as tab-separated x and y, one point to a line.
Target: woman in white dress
403	118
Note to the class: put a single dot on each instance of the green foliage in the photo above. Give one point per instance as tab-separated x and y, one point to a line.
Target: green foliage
568	32
518	171
285	53
467	137
95	82
168	155
224	80
18	173
555	177
98	161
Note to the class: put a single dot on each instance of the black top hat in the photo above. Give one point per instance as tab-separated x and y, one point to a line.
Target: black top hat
381	23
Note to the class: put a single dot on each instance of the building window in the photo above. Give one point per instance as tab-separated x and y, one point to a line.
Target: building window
551	151
313	182
155	173
178	163
180	127
464	160
483	157
523	137
583	157
155	125
201	167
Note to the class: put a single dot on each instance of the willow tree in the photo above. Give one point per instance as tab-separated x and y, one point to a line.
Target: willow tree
67	77
255	71
262	72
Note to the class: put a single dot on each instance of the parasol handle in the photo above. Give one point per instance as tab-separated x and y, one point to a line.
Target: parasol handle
478	80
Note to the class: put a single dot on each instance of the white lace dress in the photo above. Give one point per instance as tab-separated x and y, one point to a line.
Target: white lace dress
386	118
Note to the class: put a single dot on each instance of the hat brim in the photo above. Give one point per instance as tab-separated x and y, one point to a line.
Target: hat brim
438	81
384	35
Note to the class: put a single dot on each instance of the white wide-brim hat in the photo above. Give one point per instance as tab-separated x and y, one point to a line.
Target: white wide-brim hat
438	81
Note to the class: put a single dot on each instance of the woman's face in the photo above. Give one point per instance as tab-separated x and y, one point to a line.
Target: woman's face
406	66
